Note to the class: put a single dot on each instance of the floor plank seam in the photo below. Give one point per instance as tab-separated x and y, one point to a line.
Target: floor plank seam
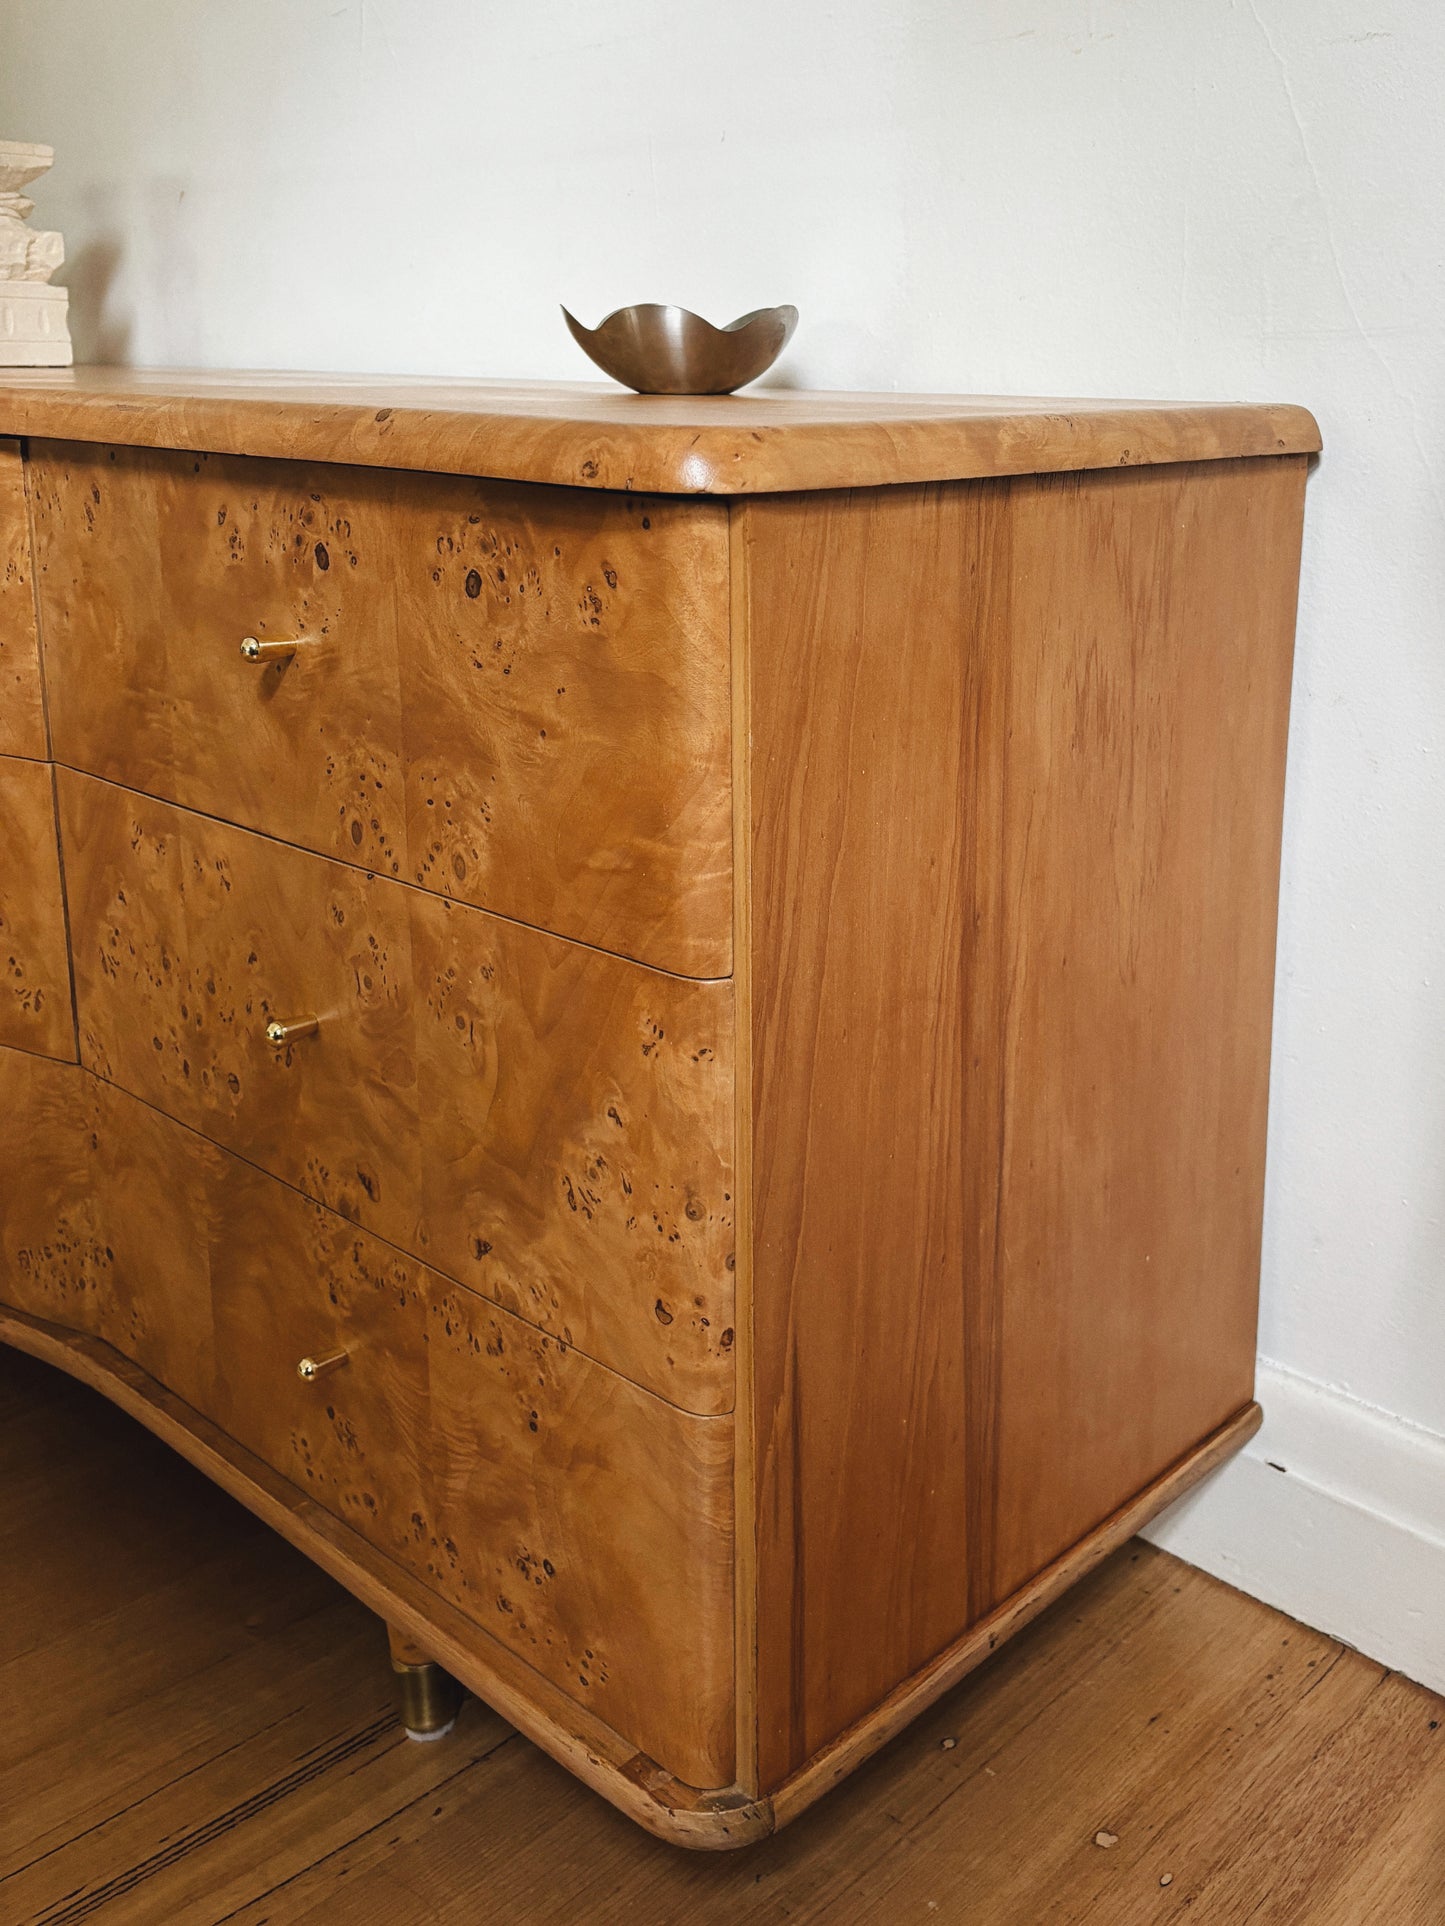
120	1812
349	1845
90	1902
1322	1672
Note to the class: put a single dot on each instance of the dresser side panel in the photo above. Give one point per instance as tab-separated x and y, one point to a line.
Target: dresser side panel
1144	705
1018	760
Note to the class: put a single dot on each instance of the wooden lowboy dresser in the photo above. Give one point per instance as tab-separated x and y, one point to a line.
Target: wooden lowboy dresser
645	1023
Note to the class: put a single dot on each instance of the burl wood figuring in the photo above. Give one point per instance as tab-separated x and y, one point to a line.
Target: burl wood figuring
646	1024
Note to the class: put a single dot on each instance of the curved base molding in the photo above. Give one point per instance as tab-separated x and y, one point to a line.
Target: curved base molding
585	1746
716	1820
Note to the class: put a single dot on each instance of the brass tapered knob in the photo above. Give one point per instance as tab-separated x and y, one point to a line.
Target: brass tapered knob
255	650
280	1033
310	1369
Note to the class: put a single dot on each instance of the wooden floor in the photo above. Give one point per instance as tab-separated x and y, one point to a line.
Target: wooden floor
195	1726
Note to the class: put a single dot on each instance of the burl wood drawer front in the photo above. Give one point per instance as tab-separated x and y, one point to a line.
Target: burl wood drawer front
515	696
22	710
35	1007
584	1523
103	1220
577	1518
547	1123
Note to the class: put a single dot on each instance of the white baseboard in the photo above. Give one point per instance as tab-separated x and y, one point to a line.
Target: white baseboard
1335	1513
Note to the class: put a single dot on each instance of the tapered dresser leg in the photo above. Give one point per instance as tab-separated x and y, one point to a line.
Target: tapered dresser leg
427	1698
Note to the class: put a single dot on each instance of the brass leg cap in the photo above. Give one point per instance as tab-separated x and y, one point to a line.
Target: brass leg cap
428	1699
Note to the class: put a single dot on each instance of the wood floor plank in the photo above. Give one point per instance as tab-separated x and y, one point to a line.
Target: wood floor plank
195	1727
81	1525
1401	1876
1304	1811
1096	1777
230	1603
196	1872
75	1784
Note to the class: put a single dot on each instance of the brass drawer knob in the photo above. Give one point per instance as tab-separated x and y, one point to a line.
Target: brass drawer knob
310	1369
254	650
282	1033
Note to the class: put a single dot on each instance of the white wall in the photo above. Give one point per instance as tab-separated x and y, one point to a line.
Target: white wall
1202	198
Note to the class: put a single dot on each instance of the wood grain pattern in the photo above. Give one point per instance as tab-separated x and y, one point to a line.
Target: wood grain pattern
103	1220
586	1524
22	705
190	937
547	1123
745	1438
581	1522
51	1247
1018	767
35	1002
518	698
593	436
565	682
151	568
858	1101
576	1132
1144	695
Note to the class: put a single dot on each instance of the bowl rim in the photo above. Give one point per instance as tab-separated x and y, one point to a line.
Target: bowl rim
784	311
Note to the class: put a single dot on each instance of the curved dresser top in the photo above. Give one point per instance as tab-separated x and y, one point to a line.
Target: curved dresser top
588	435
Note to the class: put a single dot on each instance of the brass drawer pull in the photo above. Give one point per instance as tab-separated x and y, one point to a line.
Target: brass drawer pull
255	650
281	1033
310	1369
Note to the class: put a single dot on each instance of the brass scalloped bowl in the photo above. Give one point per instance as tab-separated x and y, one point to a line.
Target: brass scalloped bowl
662	350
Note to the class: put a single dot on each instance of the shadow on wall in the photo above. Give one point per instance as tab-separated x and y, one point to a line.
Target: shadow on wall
837	355
98	335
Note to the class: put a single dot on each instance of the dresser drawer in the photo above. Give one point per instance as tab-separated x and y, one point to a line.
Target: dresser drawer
22	708
103	1210
550	1124
514	696
189	938
35	1010
577	1518
153	567
581	1521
